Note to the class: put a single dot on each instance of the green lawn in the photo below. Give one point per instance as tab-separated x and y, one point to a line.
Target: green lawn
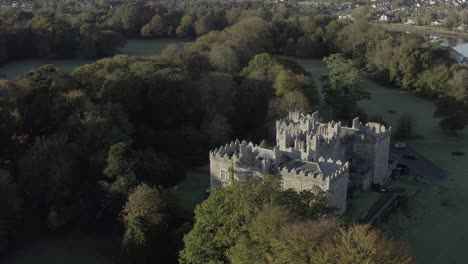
192	190
361	204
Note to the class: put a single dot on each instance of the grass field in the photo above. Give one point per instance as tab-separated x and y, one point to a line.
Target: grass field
361	204
192	190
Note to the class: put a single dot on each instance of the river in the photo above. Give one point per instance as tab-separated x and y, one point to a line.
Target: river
436	225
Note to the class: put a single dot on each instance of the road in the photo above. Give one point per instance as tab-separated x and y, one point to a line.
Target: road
420	167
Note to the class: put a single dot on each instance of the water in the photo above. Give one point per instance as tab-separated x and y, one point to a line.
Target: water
436	228
137	47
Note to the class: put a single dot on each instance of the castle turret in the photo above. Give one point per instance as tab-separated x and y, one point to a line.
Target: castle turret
356	123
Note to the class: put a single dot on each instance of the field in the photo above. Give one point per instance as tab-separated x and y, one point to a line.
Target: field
192	190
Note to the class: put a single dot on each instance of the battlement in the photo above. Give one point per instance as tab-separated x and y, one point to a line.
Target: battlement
244	152
379	129
297	120
227	150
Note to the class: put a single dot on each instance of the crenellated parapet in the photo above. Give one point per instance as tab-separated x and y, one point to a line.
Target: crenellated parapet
300	173
227	150
378	129
341	170
245	154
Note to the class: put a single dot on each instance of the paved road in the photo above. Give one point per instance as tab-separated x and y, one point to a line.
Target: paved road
420	167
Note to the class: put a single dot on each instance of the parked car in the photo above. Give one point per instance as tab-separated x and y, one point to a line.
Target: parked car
400	145
408	156
404	169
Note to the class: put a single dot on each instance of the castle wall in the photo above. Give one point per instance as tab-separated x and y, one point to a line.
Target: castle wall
335	185
382	150
216	165
338	191
299	182
241	170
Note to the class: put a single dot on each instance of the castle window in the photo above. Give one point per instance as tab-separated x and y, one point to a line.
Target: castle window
248	175
357	149
224	175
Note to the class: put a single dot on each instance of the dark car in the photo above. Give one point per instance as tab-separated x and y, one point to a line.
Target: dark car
403	168
410	157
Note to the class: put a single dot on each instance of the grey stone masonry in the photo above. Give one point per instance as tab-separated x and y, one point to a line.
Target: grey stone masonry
310	154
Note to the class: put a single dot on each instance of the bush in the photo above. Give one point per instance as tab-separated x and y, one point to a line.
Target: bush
404	127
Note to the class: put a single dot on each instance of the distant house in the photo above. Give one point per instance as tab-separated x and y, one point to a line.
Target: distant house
343	17
436	22
383	18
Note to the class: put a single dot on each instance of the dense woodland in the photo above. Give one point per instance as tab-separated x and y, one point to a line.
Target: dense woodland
101	149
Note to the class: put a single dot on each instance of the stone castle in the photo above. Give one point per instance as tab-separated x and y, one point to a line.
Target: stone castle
310	153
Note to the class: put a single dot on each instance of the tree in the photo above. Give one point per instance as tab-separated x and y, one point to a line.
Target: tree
263	66
203	26
10	208
146	216
120	168
218	130
129	18
225	59
290	102
227	213
278	235
155	28
120	177
7	114
218	92
404	127
186	27
361	244
458	85
453	112
3	51
108	42
47	174
342	86
286	81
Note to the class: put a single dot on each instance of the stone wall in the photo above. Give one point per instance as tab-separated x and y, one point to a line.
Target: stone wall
338	192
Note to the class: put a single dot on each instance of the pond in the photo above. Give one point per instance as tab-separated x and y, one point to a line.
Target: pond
436	227
134	47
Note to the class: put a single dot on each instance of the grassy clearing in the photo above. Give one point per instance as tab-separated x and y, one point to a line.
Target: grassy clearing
361	204
192	190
